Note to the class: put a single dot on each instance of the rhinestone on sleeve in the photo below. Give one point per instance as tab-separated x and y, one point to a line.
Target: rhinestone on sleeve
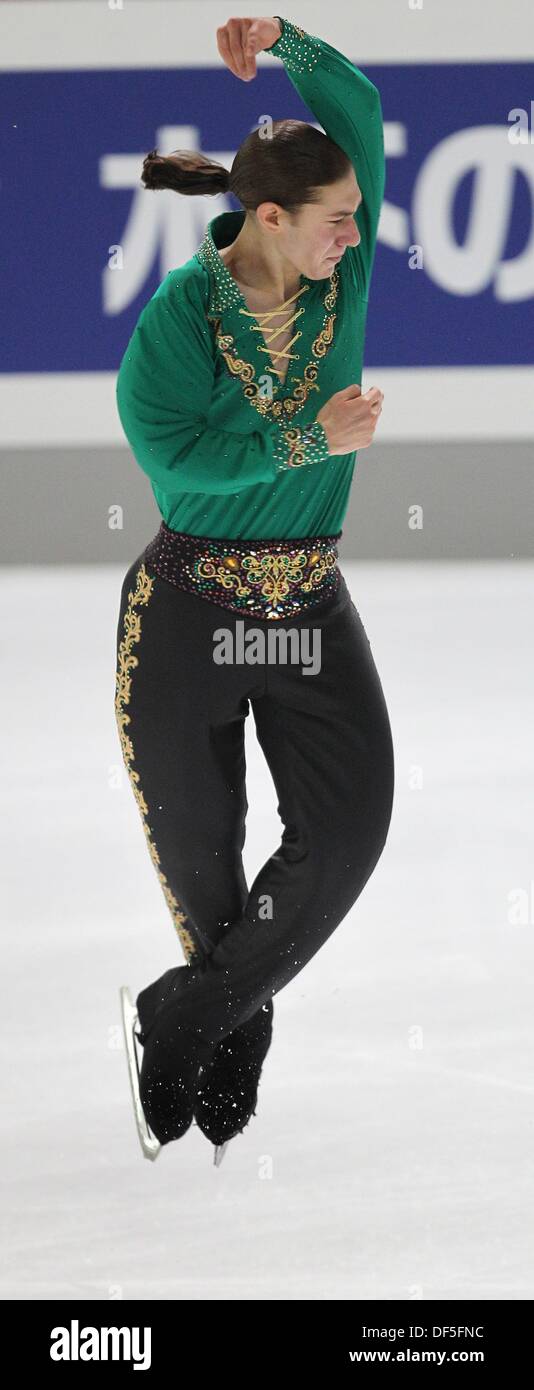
297	446
298	50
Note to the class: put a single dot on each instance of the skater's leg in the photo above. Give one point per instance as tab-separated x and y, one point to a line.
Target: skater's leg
181	723
182	739
327	739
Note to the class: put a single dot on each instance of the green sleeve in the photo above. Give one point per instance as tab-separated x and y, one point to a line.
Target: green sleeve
163	394
347	106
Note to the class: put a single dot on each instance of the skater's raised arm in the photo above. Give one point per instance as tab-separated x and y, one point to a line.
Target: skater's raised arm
343	100
163	392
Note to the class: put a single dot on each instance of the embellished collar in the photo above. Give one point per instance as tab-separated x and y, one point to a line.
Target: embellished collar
288	396
221	231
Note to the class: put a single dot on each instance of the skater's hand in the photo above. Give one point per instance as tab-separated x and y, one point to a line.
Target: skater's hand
349	419
240	40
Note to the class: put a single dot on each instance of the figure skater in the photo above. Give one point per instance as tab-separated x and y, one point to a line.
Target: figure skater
239	393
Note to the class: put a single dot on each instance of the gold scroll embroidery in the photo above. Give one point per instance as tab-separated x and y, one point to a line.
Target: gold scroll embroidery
126	663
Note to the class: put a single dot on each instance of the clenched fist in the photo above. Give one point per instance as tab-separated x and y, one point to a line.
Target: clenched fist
349	419
240	40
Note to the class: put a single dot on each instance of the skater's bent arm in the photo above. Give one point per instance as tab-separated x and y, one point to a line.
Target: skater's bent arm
347	105
163	392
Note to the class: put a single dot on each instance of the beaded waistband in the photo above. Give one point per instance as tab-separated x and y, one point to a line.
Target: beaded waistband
257	578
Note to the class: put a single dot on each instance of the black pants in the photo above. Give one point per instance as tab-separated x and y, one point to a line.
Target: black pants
327	740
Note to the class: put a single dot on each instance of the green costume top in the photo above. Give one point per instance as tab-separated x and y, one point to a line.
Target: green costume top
230	450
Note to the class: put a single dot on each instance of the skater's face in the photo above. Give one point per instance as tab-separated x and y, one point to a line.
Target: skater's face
315	237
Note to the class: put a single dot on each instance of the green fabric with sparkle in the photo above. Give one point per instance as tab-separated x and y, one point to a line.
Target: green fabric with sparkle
230	450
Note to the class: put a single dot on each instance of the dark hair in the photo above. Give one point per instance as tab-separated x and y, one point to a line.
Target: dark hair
287	169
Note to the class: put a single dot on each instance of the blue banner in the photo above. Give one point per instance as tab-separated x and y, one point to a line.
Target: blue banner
84	244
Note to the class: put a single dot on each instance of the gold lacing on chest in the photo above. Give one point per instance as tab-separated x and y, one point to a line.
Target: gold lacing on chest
283	407
264	328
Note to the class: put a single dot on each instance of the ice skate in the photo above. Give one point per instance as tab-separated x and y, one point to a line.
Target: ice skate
227	1093
149	1144
173	1056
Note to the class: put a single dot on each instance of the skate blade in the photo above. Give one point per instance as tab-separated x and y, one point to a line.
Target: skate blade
220	1150
149	1144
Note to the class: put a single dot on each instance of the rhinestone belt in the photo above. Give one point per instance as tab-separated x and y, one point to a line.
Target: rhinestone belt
259	578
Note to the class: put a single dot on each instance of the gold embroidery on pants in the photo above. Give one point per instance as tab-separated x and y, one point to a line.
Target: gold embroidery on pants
126	663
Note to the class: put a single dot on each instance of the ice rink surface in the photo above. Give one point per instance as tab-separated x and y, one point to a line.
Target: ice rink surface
392	1155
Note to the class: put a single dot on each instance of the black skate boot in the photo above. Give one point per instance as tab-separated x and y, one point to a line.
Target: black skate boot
172	1058
227	1092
